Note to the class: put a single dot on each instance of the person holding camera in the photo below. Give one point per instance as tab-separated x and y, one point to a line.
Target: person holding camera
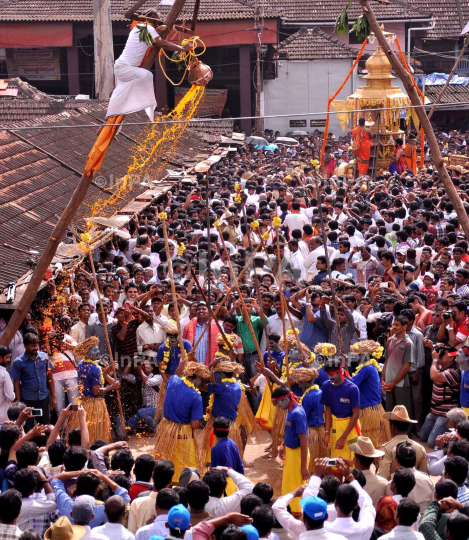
455	322
446	378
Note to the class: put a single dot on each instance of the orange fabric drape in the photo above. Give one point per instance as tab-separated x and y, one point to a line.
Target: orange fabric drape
97	153
411	162
362	156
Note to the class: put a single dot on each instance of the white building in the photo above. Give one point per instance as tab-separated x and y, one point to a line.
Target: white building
311	67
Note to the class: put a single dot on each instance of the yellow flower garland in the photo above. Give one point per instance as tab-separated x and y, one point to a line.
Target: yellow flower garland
232	380
166	354
208	411
219	354
371	362
314	387
190	385
181	248
88	361
163	216
237	198
216	224
238	186
290	369
276	222
255	224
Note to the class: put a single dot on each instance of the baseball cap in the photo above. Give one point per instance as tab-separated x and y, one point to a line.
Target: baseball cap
83	509
250	531
188	475
314	507
179	518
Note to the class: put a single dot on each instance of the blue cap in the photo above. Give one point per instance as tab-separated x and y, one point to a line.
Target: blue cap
251	532
314	507
179	518
156	537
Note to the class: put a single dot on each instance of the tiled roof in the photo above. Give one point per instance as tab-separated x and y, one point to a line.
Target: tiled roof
455	93
313	44
82	10
40	168
448	24
329	10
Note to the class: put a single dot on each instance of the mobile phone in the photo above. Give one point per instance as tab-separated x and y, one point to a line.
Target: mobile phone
332	462
36	412
383	285
74	407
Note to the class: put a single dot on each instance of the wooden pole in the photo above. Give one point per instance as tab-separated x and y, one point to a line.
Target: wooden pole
103	49
108	343
280	291
407	81
209	259
173	290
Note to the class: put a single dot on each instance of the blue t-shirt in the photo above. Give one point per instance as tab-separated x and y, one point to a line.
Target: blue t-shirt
89	375
226	454
32	374
278	356
182	404
464	397
295	424
312	333
226	401
367	380
321	378
341	399
174	356
313	408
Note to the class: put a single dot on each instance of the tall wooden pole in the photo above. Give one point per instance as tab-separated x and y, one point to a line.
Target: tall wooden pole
407	81
282	304
103	49
64	222
108	343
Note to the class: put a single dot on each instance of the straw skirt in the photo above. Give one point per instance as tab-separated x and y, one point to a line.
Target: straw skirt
316	445
374	426
97	418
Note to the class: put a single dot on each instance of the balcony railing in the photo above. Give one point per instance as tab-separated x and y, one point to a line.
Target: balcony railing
444	65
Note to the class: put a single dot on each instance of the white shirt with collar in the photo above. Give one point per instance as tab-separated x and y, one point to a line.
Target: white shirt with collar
114	531
158	528
90	534
78	331
401	532
7	393
148	335
321	534
220	507
360	322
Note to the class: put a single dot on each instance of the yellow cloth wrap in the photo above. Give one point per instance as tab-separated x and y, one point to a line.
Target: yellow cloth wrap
292	478
316	445
209	440
231	487
374	426
97	418
339	425
466	410
176	442
266	411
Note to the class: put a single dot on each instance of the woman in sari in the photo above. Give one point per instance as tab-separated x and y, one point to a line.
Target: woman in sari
361	146
328	163
397	160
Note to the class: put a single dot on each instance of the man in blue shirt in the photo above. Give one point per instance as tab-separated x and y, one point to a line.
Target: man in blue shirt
341	399
225	453
32	374
295	446
314	330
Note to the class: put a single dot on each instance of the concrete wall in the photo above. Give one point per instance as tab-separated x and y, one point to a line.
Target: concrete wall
305	86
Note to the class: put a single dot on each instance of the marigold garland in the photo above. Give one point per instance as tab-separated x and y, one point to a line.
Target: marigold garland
208	410
371	362
290	369
265	236
181	248
190	385
166	354
276	222
219	354
255	224
327	349
238	187
314	387
163	216
237	198
216	224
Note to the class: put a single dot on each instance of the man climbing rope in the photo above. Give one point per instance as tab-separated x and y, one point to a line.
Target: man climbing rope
134	85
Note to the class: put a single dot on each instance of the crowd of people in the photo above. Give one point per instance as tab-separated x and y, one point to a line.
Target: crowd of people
328	311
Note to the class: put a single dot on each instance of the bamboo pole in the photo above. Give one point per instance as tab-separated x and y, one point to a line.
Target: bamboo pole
108	343
282	304
173	291
407	81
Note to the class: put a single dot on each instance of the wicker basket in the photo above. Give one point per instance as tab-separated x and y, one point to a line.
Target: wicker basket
458	160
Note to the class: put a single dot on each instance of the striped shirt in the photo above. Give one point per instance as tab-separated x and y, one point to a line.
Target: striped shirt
445	396
201	350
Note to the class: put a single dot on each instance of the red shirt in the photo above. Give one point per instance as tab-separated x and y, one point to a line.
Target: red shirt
137	488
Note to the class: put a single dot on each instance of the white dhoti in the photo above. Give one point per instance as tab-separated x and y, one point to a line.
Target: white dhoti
134	91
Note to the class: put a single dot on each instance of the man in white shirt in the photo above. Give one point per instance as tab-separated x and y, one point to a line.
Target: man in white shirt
296	219
82	513
78	330
7	392
296	257
310	261
360	322
348	497
218	506
405	516
114	509
149	335
165	500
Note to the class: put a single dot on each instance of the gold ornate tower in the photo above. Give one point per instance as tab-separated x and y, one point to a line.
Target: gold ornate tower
380	93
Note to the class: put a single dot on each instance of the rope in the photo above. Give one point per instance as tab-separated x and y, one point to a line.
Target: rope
184	56
330	100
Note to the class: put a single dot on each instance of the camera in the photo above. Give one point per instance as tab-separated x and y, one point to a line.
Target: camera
310	291
448	314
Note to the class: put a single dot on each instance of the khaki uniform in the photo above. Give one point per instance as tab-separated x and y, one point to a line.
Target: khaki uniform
388	464
375	486
423	491
231	230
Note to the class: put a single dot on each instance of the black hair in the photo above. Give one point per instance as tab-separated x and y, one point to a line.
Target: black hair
143	469
122	460
456	468
400	426
9	434
457	526
30	534
221	427
14	411
26	482
122	481
249	503
56	452
406	455
197	494
10	506
74	437
87	484
166	499
216	481
446	488
408	512
27	454
182	492
114	509
404	480
263	520
346	499
162	474
281	391
263	490
365	462
462	429
330	484
233	533
75	458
